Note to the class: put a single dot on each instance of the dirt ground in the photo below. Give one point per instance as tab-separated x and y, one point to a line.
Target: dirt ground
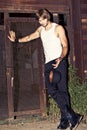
36	125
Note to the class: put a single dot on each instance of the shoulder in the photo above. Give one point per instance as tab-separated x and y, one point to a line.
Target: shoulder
59	30
59	27
39	29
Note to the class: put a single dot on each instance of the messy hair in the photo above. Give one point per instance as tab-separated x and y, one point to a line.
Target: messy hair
44	13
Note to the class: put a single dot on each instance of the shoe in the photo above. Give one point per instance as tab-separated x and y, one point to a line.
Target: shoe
64	124
76	122
73	118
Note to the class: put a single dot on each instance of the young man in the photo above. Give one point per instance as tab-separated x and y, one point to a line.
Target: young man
55	47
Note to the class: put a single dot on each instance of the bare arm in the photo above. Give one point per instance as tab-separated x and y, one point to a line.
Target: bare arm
35	35
60	32
64	42
30	37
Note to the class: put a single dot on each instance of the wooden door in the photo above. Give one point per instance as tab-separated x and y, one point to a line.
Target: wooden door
25	79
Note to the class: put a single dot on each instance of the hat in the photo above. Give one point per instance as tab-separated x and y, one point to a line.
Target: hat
56	76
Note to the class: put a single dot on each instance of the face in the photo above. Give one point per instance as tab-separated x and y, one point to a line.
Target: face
43	22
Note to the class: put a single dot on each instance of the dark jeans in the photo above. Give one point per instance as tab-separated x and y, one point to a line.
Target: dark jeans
58	90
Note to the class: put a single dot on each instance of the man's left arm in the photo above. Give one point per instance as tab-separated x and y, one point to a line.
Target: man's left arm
64	41
60	32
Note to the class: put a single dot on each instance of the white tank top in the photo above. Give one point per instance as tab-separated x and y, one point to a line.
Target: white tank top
51	44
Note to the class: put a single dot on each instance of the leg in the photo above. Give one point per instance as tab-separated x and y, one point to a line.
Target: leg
67	113
59	95
59	92
52	88
63	90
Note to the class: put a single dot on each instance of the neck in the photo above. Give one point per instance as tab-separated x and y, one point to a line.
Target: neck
48	26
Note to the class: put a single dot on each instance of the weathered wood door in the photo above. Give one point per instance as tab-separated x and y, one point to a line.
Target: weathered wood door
25	79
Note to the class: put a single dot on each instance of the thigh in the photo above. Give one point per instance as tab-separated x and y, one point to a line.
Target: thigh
63	69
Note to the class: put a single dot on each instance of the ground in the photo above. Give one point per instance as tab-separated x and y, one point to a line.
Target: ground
36	125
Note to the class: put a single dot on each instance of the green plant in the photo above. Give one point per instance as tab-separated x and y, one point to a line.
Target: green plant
53	110
78	92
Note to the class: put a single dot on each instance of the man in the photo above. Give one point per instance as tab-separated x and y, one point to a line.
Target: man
55	49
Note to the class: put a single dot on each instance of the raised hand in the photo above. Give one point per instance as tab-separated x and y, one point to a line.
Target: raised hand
12	36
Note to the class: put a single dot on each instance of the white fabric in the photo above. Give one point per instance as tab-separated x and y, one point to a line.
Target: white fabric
51	44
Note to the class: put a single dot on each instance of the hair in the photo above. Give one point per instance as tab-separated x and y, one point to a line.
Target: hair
43	13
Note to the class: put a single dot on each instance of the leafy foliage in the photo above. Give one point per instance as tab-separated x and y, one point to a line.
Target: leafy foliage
78	92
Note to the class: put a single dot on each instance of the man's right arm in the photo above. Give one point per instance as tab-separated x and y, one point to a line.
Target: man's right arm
35	35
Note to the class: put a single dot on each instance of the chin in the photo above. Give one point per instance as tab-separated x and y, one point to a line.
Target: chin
44	25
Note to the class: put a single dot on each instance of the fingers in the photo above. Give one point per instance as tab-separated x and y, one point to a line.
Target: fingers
11	36
57	61
12	40
11	33
55	66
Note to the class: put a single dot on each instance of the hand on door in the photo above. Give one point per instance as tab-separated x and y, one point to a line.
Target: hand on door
12	36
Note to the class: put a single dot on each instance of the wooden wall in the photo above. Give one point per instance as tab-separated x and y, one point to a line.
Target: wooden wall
83	10
79	26
29	5
33	2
